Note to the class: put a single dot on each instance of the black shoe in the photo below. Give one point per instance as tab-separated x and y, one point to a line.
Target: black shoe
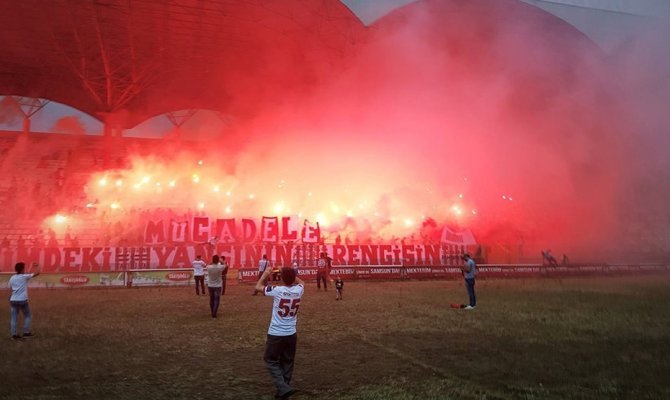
16	337
28	334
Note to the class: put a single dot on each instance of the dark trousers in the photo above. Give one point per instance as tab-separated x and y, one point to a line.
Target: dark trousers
199	283
470	286
214	299
279	359
223	285
321	276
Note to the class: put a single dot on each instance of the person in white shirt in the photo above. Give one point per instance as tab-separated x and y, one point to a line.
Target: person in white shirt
199	275
18	301
214	283
263	265
282	333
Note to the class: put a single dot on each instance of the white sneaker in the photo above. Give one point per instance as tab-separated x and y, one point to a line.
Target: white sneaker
469	307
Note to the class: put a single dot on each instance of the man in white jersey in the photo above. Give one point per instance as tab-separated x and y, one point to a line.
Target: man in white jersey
282	334
18	301
199	275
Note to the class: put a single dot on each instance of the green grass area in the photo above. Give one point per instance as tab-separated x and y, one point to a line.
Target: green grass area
591	338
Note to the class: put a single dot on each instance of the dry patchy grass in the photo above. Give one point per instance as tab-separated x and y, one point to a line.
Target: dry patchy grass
528	339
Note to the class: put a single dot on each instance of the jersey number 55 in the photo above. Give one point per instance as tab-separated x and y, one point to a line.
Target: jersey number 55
288	307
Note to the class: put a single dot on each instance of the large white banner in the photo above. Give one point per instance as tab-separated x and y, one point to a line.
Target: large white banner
285	240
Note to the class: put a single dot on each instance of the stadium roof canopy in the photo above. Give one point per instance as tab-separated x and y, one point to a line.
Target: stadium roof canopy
139	58
124	61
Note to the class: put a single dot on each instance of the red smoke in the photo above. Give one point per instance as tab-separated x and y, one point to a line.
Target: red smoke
10	111
458	112
70	124
490	115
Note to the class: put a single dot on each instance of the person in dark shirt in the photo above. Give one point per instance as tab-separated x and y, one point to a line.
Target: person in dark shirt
323	266
469	269
224	273
339	287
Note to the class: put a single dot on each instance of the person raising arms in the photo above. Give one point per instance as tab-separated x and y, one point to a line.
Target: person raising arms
18	300
282	334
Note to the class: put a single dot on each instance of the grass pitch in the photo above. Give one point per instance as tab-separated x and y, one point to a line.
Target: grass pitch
591	338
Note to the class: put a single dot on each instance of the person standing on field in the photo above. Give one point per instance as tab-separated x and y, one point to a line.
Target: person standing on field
469	269
263	265
214	283
339	288
323	267
224	274
199	274
18	300
282	336
295	266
